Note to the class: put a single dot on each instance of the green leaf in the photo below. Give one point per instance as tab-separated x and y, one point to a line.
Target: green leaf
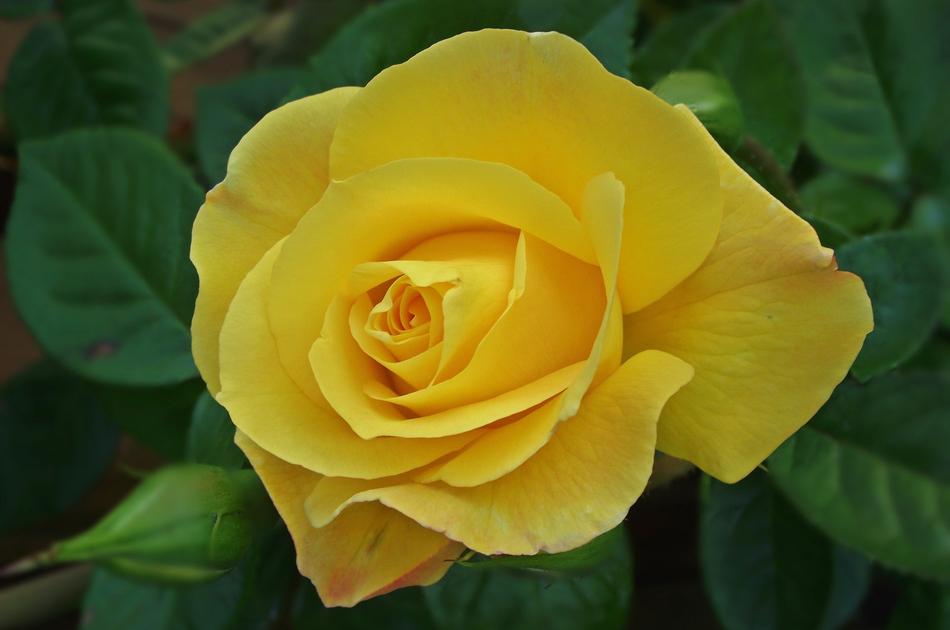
922	606
97	251
930	215
933	357
211	436
748	48
605	27
584	558
848	119
830	234
903	274
14	9
55	443
505	598
857	206
99	66
710	98
228	111
761	164
909	47
765	567
391	32
249	597
403	609
871	471
299	31
668	45
158	417
213	32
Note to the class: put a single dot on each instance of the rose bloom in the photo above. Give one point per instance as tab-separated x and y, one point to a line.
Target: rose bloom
463	307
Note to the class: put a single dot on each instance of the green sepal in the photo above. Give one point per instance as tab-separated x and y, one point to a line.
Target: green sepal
184	523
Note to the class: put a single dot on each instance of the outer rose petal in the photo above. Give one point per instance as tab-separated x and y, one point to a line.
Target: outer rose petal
363	554
267	405
501	450
769	324
543	104
579	485
276	172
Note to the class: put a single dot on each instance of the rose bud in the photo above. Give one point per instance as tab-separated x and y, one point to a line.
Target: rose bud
183	523
710	98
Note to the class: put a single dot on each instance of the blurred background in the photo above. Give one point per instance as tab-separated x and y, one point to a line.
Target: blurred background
838	107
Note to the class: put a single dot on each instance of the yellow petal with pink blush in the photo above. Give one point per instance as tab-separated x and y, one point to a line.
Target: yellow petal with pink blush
365	553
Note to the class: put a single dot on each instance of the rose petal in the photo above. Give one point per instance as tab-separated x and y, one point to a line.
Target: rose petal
578	486
553	316
543	104
349	377
363	554
266	404
381	214
276	172
769	324
478	269
502	449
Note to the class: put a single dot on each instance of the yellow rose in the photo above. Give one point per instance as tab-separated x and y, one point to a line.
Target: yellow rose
464	305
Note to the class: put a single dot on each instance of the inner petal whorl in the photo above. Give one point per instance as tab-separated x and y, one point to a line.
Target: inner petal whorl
439	299
408	318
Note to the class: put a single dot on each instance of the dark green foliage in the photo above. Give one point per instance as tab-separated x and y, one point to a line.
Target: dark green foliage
405	609
156	417
904	278
249	597
99	65
710	98
576	561
766	568
871	470
228	111
212	33
13	9
852	204
211	436
848	122
56	443
98	255
747	46
392	32
670	42
507	598
922	606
